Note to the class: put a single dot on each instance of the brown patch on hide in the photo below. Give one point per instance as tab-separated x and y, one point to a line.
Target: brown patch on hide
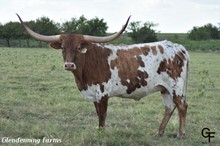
172	67
145	50
154	50
161	49
128	62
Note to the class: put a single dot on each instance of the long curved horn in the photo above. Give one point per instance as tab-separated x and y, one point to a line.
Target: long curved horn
96	39
39	36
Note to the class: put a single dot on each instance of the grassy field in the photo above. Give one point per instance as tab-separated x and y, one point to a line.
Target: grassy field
39	100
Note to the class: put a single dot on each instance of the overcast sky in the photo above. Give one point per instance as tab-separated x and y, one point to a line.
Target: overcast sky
174	16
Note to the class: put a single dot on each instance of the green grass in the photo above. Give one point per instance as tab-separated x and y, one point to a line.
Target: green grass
172	36
38	98
205	45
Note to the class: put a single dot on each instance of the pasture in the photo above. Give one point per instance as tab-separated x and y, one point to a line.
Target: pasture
39	100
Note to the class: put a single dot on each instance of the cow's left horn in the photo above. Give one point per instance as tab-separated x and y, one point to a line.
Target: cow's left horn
96	39
37	36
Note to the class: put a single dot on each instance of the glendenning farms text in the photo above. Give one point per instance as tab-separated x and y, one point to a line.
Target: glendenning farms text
30	140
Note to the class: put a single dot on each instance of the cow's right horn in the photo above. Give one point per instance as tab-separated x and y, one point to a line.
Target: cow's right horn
37	36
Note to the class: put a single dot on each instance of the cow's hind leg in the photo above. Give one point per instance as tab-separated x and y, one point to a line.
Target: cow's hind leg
169	109
101	109
182	110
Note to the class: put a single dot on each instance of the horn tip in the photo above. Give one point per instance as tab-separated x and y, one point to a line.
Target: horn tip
19	18
17	15
128	20
129	17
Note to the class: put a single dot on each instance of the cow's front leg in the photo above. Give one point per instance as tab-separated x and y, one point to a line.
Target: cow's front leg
101	109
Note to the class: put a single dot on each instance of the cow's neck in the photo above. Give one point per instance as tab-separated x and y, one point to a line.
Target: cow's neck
78	78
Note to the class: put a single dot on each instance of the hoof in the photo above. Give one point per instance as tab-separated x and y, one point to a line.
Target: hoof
180	136
159	133
100	130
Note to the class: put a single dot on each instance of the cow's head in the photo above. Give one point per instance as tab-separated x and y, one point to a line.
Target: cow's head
74	46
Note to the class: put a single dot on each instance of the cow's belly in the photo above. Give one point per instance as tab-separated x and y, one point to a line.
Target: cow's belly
94	92
137	94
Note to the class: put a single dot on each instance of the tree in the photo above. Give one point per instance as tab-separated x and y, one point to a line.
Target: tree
96	26
142	32
213	30
81	25
10	30
70	26
1	31
205	32
46	26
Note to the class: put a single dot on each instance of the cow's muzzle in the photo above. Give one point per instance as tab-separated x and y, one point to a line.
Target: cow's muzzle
69	66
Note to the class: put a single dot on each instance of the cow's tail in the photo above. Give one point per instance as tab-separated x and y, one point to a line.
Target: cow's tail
186	75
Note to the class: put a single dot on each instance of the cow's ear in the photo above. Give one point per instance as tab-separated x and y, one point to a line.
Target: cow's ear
55	45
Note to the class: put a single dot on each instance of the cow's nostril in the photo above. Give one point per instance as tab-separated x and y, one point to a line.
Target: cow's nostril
69	66
65	65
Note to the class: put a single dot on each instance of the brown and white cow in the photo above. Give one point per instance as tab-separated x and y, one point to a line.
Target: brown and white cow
128	71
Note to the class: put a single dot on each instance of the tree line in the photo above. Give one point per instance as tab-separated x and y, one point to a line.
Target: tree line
46	26
139	32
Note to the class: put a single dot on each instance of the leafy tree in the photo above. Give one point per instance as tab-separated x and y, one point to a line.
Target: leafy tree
142	32
70	26
1	30
214	32
81	25
205	32
46	26
10	30
96	26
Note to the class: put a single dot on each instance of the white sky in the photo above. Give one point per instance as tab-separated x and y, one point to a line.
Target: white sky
172	15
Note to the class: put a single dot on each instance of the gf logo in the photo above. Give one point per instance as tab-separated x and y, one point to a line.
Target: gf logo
207	134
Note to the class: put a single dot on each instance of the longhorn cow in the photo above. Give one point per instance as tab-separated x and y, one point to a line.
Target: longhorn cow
128	71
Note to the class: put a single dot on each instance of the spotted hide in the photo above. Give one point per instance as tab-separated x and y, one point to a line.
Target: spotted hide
135	71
